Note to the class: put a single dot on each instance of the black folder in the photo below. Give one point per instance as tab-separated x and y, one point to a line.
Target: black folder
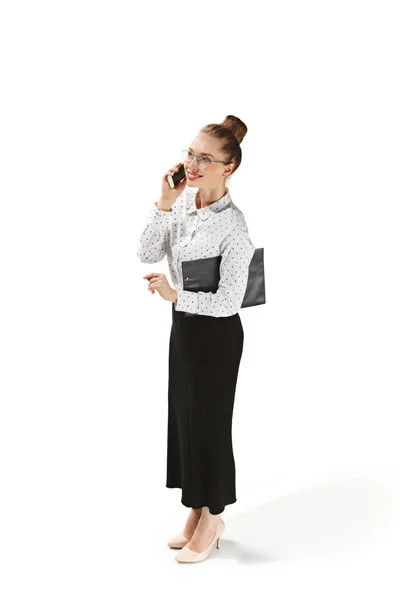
202	275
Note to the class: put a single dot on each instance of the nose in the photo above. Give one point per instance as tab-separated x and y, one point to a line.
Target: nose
193	166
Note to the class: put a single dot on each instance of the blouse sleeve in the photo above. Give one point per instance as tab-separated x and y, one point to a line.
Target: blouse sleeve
152	244
237	252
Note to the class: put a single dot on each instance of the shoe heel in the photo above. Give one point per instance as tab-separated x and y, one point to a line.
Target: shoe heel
219	537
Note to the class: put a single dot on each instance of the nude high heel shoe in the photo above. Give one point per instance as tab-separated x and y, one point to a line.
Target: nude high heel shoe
178	541
188	555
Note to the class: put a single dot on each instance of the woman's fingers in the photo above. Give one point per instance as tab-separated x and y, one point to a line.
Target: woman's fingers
153	284
153	278
154	281
173	170
150	275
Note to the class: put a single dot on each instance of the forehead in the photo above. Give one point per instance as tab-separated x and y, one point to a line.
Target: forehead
204	144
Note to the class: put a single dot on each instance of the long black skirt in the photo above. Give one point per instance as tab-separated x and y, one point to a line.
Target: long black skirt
204	359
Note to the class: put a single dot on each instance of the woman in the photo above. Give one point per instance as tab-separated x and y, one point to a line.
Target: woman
197	219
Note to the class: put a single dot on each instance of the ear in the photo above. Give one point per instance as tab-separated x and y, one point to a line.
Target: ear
229	168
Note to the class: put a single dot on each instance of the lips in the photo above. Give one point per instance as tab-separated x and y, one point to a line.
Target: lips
192	176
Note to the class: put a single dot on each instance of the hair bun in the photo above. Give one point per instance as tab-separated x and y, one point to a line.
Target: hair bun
237	127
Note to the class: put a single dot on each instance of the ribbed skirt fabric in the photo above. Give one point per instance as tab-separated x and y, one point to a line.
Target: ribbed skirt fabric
204	359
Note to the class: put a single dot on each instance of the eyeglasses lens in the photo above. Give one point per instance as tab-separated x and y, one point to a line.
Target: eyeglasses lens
202	161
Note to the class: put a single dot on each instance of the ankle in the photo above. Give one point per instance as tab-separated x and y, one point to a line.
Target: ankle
207	515
209	520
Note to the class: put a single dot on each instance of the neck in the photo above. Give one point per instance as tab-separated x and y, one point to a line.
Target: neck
206	197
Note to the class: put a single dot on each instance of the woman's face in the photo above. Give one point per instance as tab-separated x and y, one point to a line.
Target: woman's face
211	175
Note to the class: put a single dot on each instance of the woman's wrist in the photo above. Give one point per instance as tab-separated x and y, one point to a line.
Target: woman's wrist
160	207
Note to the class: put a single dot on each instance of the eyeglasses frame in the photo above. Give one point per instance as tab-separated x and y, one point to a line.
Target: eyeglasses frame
195	156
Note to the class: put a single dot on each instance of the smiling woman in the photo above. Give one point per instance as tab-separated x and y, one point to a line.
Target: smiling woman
206	340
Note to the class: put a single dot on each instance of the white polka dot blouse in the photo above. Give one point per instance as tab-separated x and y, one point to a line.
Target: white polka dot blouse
187	233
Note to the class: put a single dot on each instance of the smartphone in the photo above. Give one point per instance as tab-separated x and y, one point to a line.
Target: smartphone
174	179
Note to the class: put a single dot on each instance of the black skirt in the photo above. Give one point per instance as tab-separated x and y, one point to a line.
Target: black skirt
204	359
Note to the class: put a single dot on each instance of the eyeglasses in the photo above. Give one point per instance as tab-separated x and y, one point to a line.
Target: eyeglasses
203	161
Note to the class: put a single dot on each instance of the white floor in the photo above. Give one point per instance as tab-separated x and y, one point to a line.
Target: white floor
333	540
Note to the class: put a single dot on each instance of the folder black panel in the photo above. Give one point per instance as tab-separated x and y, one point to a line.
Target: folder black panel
203	274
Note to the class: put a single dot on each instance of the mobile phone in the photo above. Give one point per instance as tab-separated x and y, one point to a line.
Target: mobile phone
174	179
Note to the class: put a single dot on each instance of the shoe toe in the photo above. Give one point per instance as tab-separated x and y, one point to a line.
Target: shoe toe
188	555
177	541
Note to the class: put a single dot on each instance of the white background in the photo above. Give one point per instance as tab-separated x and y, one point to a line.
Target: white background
97	101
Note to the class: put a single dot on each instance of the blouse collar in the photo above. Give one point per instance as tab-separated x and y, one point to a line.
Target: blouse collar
214	207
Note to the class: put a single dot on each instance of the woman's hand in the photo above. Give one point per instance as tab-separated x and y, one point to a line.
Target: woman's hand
169	195
158	282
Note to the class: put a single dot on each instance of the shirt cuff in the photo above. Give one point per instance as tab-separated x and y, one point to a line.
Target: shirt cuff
187	301
158	216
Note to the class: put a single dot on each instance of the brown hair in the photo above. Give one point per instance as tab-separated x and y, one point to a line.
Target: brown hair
231	132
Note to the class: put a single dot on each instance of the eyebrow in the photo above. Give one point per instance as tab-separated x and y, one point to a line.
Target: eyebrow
202	153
